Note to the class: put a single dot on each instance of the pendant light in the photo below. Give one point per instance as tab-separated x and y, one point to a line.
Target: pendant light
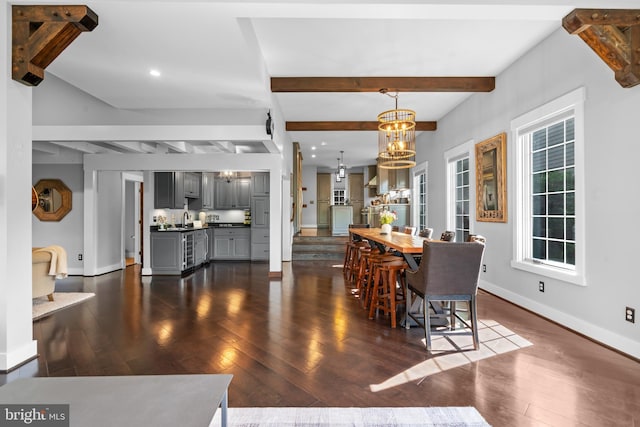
396	137
342	169
338	179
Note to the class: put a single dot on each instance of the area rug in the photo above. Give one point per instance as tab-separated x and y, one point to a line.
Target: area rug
43	307
356	417
452	351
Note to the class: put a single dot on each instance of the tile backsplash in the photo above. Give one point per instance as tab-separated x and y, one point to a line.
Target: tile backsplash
175	215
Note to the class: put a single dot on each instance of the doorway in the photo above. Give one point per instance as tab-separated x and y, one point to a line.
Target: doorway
132	222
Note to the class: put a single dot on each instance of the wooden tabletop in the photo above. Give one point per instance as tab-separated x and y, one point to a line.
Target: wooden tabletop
401	242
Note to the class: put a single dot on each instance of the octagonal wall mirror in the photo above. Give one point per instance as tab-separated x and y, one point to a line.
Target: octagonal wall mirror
54	200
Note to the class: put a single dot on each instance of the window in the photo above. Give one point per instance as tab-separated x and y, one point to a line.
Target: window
420	196
460	198
549	213
553	193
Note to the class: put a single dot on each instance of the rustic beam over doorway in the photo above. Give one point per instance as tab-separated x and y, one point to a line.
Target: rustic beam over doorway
348	126
375	84
614	35
41	33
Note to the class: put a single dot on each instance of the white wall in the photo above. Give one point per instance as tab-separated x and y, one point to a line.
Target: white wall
68	231
558	65
109	225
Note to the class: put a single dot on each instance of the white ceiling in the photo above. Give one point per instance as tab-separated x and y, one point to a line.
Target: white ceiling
221	54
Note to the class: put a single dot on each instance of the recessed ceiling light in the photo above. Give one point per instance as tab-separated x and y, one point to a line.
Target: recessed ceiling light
323	143
313	156
154	73
313	147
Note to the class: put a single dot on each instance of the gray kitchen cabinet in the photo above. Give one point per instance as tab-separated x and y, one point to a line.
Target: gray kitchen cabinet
260	212
192	184
210	243
200	247
382	178
232	244
205	201
259	244
392	179
169	190
260	183
235	194
399	179
166	253
172	252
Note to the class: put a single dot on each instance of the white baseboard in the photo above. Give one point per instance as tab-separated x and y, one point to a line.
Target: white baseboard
147	271
75	271
18	356
108	268
581	326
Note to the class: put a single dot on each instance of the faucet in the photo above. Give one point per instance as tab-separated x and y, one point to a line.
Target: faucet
185	218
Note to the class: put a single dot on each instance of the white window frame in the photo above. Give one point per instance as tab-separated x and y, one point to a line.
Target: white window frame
415	214
451	156
572	102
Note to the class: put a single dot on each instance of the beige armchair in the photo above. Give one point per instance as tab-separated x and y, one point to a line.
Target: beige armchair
43	282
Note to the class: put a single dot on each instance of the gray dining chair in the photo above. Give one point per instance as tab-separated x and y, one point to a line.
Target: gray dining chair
426	233
448	236
409	230
448	272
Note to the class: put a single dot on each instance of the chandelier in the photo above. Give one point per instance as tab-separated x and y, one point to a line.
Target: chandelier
396	137
227	175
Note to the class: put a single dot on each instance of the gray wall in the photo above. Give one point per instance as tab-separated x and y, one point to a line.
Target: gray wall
68	231
558	65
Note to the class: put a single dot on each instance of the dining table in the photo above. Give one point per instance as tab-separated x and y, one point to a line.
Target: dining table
408	245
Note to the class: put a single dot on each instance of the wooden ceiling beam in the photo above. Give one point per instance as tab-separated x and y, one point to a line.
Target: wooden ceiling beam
348	126
40	33
613	34
375	84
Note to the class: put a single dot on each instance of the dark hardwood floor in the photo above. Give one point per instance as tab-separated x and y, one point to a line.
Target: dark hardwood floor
305	341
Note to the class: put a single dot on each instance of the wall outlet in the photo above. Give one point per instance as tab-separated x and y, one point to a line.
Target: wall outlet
79	257
484	268
541	286
630	314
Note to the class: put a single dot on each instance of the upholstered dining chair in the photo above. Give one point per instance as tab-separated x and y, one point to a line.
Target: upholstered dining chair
448	272
448	236
426	233
409	230
476	238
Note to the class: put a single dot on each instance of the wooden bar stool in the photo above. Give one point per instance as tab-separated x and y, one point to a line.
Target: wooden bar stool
375	261
384	294
352	261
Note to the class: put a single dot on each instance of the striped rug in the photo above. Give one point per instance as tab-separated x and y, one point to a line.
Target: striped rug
356	417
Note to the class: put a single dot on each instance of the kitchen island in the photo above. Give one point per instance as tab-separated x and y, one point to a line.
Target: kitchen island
180	250
341	217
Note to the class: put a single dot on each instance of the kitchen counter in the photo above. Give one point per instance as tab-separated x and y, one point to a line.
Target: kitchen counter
155	228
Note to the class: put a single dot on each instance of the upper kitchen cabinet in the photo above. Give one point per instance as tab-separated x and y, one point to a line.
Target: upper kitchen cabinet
207	189
192	184
399	179
169	190
382	179
260	183
232	194
172	188
392	179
